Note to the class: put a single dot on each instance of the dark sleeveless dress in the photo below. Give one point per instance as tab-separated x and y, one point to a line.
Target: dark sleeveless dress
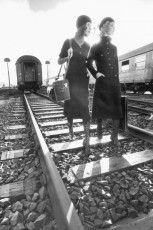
77	75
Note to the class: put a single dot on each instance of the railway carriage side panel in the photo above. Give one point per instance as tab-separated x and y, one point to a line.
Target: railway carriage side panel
149	67
20	79
136	69
39	75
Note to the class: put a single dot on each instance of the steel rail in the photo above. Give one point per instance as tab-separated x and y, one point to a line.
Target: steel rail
140	101
139	110
42	95
64	210
48	98
141	133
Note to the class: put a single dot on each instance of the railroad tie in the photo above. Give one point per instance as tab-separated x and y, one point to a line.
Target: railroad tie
109	165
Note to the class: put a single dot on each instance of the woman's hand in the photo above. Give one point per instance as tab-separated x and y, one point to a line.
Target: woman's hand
70	52
99	75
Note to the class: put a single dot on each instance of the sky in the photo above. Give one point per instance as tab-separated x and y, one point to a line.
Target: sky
39	28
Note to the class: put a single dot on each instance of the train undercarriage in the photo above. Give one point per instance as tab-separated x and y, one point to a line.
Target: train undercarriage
29	86
137	87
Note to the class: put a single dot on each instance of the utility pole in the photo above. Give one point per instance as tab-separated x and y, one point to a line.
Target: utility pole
47	63
8	60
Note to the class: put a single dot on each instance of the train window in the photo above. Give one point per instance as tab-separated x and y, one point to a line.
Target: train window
125	66
140	61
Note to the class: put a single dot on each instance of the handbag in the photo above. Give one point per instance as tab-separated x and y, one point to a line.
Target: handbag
61	88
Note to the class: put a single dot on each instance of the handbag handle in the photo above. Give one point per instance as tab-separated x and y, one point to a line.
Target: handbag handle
59	71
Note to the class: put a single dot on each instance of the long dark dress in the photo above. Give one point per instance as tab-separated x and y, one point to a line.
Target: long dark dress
107	95
77	75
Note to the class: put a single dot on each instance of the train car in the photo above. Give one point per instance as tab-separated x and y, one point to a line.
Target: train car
136	69
29	73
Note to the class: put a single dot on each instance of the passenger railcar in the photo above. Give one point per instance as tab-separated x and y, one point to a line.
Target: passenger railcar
29	73
136	69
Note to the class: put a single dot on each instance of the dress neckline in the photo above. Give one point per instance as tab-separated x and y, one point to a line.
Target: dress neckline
78	44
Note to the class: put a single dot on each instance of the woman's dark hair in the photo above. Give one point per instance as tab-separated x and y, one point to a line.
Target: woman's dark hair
82	20
107	19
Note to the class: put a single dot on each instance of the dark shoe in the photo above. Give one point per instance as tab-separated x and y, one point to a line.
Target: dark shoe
86	148
114	138
99	134
71	137
84	142
116	142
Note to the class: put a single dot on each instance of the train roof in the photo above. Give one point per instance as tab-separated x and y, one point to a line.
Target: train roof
27	58
136	52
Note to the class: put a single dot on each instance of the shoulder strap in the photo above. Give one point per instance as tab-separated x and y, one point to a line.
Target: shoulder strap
70	42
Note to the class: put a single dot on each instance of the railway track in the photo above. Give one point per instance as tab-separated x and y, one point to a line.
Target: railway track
140	113
84	190
140	110
24	199
88	169
142	101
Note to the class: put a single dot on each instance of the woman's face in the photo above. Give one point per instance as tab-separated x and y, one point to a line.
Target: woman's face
108	28
111	28
88	29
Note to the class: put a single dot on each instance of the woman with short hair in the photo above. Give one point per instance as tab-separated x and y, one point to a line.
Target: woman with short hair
77	50
107	94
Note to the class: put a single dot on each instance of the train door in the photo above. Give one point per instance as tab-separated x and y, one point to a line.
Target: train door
29	72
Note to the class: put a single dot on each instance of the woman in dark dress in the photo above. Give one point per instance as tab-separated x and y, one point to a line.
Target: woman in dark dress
107	95
77	50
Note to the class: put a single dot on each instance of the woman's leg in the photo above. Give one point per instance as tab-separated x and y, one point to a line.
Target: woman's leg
86	141
70	126
99	128
114	135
